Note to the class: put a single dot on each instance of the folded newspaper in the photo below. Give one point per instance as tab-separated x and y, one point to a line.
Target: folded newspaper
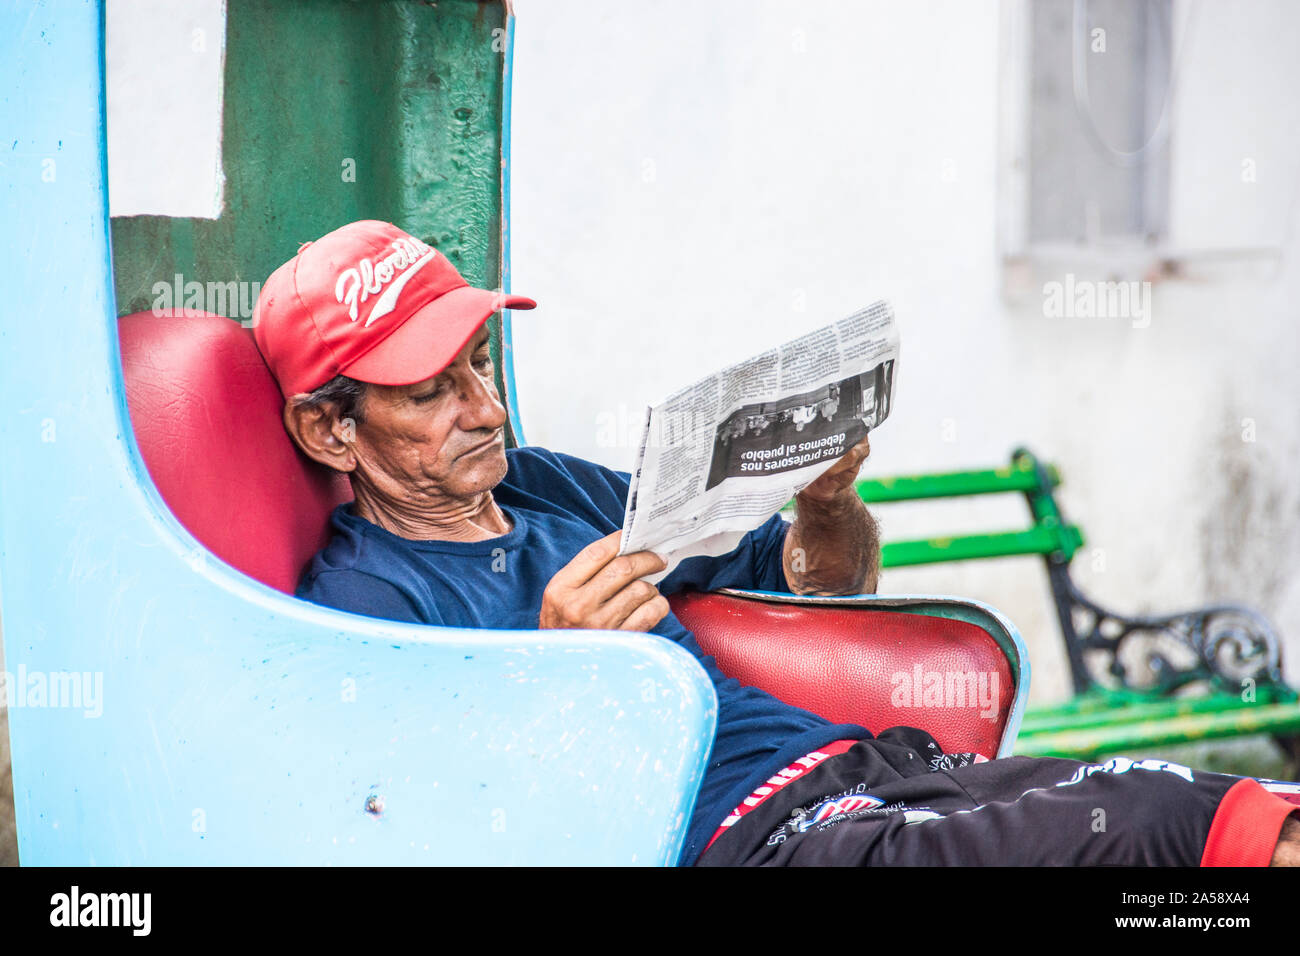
720	457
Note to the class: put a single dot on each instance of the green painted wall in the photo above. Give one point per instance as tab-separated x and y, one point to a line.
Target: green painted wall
408	90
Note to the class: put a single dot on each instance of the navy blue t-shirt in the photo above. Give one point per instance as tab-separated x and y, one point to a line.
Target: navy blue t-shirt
559	504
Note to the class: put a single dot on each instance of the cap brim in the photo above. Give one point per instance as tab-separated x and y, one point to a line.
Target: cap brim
426	343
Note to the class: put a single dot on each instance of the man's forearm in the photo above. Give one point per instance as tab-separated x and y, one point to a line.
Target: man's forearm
833	547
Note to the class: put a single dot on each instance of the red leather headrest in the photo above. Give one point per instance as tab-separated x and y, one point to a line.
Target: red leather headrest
207	418
858	665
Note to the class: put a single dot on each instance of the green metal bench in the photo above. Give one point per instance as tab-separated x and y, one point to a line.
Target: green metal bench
1138	682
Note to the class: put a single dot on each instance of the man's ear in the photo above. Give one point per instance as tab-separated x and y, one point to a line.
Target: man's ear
319	432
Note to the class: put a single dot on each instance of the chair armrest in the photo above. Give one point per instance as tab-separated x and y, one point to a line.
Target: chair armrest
235	726
953	667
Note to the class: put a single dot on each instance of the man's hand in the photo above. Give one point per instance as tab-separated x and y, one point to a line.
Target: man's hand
834	545
840	477
600	590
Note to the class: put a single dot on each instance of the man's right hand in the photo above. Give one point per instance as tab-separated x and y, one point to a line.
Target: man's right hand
600	590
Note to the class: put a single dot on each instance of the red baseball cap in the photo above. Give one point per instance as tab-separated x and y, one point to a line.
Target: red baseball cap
371	302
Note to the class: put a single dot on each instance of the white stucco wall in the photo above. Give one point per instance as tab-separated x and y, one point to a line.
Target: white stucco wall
164	64
692	181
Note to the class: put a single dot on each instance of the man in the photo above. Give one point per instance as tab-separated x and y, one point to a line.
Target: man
381	352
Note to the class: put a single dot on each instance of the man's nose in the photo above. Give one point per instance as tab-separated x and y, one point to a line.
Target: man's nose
480	406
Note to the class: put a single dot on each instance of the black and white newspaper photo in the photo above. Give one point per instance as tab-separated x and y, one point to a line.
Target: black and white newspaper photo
721	456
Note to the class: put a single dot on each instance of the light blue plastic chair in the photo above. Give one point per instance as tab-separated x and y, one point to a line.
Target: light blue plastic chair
234	724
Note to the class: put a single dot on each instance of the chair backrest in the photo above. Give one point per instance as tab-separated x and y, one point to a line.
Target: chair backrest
207	417
878	666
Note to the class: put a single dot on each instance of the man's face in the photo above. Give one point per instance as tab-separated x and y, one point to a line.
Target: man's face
443	438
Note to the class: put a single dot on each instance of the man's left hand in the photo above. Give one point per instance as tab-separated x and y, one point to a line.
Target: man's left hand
840	477
834	545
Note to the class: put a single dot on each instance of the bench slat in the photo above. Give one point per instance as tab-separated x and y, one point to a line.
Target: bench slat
1040	539
1088	744
1136	708
953	483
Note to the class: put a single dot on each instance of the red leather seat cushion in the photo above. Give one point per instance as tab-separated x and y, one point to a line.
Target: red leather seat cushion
850	665
207	417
